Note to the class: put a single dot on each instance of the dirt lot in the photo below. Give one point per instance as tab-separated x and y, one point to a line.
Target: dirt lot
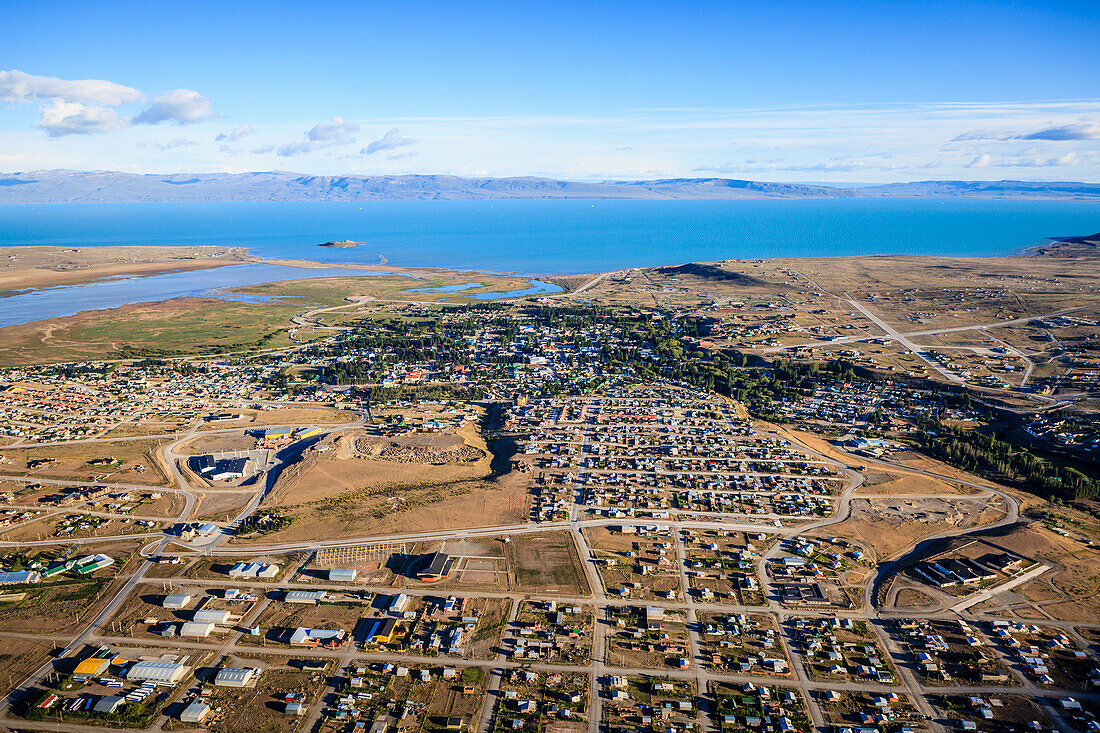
404	509
356	462
72	462
546	563
260	708
885	482
1076	573
282	416
886	526
20	657
1010	712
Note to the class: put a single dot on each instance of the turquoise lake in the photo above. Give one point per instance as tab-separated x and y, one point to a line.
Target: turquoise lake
526	237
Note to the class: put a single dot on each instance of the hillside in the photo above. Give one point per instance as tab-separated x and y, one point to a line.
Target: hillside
63	186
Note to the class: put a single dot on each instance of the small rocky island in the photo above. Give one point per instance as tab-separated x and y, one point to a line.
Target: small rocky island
340	243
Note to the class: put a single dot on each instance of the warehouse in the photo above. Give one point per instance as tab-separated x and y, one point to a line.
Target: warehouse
317	637
109	704
342	575
210	616
239	677
205	464
19	577
381	631
91	667
176	601
305	596
91	563
435	568
230	468
156	672
196	712
253	570
195	629
399	603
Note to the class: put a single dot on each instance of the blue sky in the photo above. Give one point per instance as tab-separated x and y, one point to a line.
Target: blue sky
813	91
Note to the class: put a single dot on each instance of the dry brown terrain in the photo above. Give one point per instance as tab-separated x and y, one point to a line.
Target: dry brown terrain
887	526
71	461
36	267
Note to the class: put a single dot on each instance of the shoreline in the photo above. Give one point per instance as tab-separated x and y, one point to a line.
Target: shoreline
103	264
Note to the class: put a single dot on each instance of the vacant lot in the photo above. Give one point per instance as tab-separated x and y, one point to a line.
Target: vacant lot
547	563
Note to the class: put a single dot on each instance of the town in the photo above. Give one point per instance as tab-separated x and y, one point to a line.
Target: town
535	516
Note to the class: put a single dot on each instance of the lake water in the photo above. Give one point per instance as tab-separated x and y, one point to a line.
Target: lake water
527	237
566	237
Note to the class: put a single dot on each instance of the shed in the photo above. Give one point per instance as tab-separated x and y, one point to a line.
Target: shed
19	577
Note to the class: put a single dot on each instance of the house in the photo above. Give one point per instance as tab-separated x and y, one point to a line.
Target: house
654	617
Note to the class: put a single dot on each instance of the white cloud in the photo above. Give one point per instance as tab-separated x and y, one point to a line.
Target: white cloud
389	141
238	132
60	118
179	142
402	156
336	131
1082	131
182	106
985	160
17	86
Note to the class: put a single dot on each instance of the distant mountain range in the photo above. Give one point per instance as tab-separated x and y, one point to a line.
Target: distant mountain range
63	186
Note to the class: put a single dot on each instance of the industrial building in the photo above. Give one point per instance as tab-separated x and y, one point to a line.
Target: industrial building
239	677
342	575
210	616
196	712
19	577
253	570
176	601
168	672
108	704
196	630
311	597
435	568
91	667
317	637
